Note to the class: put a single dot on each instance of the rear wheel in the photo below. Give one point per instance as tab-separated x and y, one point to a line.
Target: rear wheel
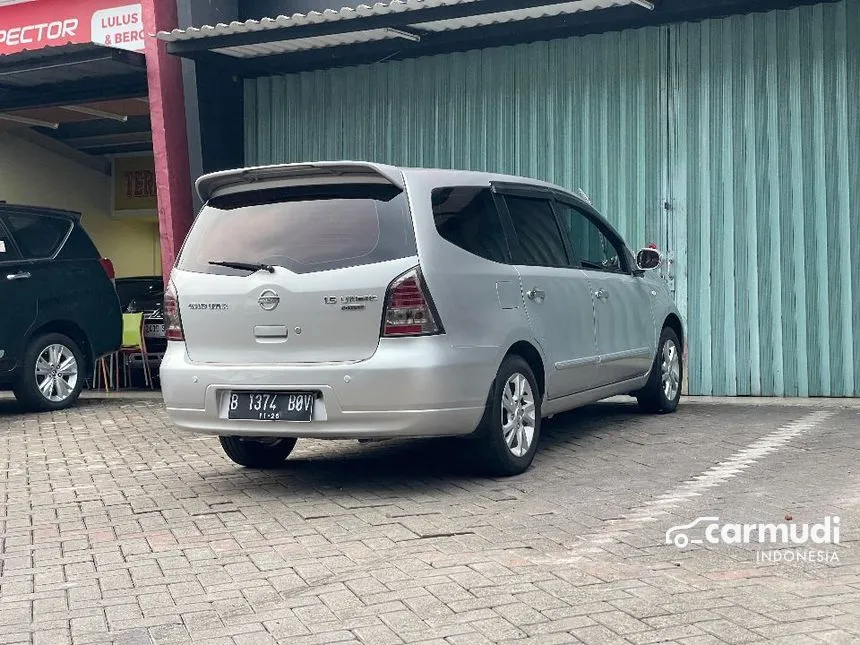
258	453
51	375
662	393
510	429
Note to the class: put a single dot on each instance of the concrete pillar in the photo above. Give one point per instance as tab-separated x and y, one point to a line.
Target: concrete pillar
169	135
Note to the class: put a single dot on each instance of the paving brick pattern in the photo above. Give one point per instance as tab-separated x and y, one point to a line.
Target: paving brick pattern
115	528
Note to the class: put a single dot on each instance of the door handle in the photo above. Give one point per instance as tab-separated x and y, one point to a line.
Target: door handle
536	294
601	294
22	275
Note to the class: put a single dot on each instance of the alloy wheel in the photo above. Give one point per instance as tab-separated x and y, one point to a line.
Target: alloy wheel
518	414
56	373
670	370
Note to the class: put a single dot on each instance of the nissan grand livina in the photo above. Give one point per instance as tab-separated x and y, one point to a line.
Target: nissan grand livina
349	300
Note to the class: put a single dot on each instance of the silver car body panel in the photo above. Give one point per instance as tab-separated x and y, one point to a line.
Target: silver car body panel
239	322
592	347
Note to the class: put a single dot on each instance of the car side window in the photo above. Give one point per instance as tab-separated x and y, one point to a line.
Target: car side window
38	236
540	240
8	252
592	248
468	218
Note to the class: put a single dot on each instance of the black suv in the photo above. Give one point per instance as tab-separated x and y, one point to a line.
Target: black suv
60	310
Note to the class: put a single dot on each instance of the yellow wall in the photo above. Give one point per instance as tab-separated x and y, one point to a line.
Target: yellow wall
33	175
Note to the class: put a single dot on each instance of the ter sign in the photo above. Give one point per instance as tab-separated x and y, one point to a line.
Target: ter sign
49	23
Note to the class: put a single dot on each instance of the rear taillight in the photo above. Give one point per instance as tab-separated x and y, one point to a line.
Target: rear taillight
172	319
409	309
107	265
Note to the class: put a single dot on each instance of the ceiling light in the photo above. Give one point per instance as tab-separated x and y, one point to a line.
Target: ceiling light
103	114
644	3
28	121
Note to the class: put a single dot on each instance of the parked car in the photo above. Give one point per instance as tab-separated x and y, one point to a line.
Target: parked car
60	311
352	300
145	294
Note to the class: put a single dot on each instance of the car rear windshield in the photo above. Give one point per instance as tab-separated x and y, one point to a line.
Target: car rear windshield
302	229
139	290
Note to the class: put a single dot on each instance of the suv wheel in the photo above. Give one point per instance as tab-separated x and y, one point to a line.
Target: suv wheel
662	393
258	453
51	373
510	430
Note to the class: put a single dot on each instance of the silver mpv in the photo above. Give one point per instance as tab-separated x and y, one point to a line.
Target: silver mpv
348	300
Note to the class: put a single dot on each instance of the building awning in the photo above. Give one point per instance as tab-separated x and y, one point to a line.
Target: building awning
89	97
70	74
396	21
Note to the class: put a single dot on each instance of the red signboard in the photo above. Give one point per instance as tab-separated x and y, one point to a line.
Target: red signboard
49	23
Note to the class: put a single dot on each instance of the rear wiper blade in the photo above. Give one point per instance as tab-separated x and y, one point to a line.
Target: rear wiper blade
247	266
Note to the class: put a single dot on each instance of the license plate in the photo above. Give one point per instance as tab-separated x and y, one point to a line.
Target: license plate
271	406
154	330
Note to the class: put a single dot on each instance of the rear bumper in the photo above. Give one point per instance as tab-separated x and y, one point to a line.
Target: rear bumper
409	388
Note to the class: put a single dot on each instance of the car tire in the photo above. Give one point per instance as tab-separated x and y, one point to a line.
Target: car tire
255	453
52	373
509	432
662	393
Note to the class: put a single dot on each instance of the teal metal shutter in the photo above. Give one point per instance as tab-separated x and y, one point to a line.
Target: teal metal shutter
749	125
765	176
583	113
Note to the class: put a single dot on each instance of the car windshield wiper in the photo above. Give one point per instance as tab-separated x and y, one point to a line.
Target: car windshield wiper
247	266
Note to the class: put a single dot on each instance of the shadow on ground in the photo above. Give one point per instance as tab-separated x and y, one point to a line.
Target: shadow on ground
364	467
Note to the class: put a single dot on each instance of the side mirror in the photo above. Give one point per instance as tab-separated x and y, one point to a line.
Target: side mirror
648	259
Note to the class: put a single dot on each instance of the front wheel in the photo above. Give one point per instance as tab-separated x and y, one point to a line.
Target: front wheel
662	393
509	432
258	453
51	373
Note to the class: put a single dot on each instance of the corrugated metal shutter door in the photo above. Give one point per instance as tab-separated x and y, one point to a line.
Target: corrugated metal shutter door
761	161
584	113
764	167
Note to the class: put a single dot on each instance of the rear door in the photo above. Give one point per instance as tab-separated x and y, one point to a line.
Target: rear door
55	289
623	304
557	296
17	301
330	251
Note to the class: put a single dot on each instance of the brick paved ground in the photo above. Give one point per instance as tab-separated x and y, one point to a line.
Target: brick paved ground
115	528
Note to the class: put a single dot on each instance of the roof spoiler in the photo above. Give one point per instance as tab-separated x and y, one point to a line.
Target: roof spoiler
300	174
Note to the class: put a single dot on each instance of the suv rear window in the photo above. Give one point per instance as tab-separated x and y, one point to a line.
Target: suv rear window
302	229
468	218
38	236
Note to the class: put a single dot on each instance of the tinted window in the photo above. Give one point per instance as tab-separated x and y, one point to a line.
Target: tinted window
591	247
8	252
302	229
468	218
541	242
140	292
38	236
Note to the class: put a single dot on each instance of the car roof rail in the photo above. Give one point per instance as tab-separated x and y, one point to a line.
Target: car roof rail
583	196
39	210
